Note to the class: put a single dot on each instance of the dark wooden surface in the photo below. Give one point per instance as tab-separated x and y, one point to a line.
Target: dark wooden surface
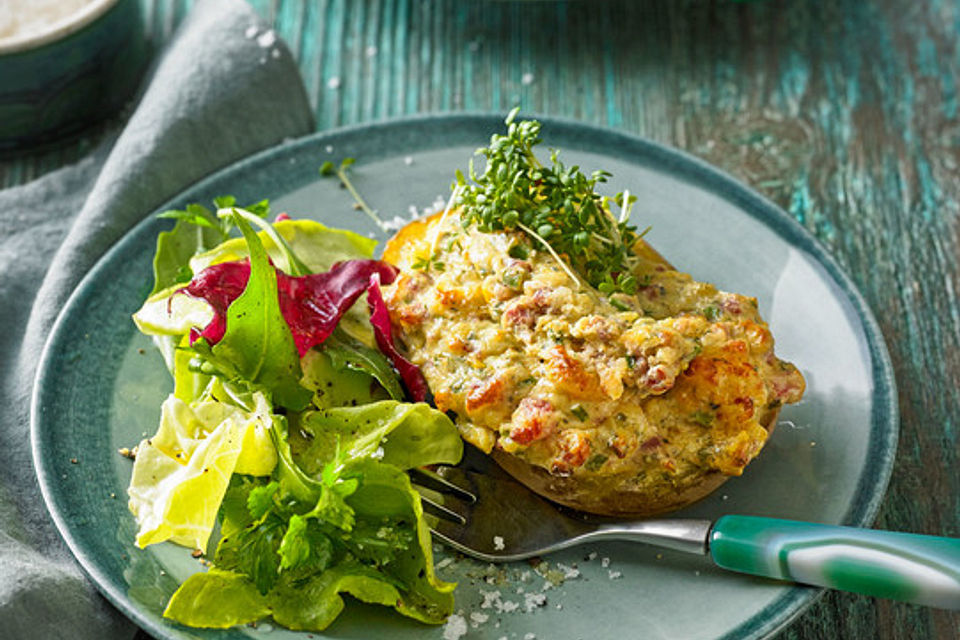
844	112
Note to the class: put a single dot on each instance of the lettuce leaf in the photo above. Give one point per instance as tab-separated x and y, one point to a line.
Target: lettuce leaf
181	474
176	247
401	434
335	384
220	599
217	599
337	517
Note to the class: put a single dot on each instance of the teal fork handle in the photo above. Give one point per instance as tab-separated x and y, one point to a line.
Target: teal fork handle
902	566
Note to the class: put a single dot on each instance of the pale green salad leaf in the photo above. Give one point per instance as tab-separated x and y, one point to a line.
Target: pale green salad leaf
181	474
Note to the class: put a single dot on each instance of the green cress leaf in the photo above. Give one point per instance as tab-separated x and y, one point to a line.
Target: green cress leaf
257	346
555	205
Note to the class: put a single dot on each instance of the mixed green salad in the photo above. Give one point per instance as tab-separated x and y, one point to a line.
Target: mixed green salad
281	454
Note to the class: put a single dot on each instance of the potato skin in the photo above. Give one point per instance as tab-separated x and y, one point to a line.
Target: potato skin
641	482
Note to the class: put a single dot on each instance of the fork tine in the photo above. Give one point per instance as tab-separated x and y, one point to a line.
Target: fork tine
433	480
440	511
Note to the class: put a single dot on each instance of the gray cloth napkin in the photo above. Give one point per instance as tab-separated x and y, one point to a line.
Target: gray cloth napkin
216	95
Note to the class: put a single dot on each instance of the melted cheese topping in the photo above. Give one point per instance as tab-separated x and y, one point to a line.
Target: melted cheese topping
675	381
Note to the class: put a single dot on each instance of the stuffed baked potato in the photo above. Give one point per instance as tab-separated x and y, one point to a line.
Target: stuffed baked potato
611	403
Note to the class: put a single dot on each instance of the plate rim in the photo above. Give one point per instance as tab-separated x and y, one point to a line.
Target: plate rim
884	418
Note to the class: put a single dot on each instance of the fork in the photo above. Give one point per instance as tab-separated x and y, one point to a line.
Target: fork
481	511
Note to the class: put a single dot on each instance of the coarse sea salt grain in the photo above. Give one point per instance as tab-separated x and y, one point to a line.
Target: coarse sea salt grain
508	606
569	573
498	543
527	79
614	574
477	618
251	31
533	601
267	39
455	628
333	83
604	562
490	599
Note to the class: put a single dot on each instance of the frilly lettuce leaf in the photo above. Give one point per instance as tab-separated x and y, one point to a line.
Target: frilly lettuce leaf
220	599
181	474
402	434
217	599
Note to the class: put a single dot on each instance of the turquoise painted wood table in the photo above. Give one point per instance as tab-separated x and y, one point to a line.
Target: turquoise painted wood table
844	113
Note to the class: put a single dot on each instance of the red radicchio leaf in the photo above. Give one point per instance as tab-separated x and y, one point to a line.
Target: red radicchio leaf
312	305
219	285
380	319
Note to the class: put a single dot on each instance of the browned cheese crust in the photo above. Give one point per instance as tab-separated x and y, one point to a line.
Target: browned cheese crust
635	405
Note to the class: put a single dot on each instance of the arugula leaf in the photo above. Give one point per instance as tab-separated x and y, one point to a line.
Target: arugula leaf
294	265
257	346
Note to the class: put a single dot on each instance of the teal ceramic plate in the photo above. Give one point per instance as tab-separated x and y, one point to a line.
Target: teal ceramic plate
100	385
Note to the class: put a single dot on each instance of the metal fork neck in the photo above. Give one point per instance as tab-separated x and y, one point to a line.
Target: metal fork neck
689	536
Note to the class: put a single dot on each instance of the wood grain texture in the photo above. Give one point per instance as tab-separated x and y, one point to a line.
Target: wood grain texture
844	113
